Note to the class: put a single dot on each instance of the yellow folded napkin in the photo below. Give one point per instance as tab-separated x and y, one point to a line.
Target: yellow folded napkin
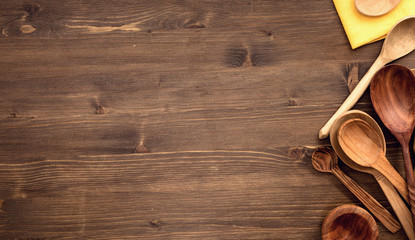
361	29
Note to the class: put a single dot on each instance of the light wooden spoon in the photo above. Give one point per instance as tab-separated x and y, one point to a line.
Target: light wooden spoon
361	143
399	206
399	42
374	8
324	159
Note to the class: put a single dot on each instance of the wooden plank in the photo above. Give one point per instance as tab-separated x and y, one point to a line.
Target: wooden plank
219	194
171	95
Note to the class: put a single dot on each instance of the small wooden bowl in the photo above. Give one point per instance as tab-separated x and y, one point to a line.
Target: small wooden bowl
349	222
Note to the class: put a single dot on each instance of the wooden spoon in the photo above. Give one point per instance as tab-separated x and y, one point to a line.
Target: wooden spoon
399	42
324	159
349	222
374	8
400	208
392	94
361	143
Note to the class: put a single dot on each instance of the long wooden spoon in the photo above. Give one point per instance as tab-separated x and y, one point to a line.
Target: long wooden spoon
399	206
324	159
374	8
399	42
392	93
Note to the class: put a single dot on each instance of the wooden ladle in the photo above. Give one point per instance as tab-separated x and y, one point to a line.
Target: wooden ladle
393	97
374	8
399	42
324	159
399	206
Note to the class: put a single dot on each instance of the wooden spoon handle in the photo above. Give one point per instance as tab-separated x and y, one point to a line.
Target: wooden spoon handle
385	168
354	96
399	206
410	178
381	213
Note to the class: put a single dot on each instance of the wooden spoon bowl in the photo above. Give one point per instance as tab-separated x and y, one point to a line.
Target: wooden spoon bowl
349	222
374	8
354	114
392	93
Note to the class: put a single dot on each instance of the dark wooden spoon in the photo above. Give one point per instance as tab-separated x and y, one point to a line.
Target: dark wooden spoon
393	97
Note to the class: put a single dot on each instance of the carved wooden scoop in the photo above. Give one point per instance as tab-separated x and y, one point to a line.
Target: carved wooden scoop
399	42
324	159
393	98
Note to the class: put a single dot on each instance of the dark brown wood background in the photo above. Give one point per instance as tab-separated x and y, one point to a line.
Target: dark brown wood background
177	119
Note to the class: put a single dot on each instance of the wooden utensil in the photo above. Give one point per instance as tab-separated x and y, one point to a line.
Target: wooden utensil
324	159
400	208
349	222
374	8
399	42
392	93
361	143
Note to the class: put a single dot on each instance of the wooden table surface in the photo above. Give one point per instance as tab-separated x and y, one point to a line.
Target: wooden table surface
177	119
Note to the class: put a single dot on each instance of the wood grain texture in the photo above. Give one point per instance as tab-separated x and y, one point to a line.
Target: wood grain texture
222	102
157	195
